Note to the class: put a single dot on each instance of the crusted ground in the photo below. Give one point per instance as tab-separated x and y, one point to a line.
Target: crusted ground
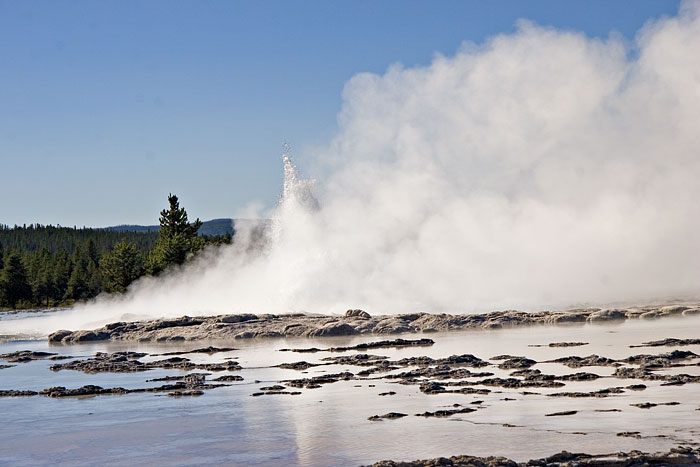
243	326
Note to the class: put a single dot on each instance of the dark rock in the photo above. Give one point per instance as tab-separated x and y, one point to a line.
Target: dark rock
378	369
644	405
169	323
579	377
16	393
89	336
297	365
578	362
58	336
387	416
230	319
189	385
308	350
445	413
436	372
599	393
386	344
456	461
662	360
185	393
127	362
669	342
519	362
334	329
24	356
360	359
464	359
228	378
514	383
506	357
317	381
559	414
357	314
272	393
431	387
276	387
118	362
207	350
228	365
88	390
645	373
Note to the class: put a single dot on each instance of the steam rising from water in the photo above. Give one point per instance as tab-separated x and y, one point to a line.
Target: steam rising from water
540	169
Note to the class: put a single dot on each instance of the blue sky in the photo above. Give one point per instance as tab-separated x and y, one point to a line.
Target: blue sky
106	107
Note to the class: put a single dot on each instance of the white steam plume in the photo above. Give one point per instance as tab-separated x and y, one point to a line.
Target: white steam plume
540	169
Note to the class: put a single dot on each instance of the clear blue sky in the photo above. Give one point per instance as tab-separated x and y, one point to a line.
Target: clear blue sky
107	106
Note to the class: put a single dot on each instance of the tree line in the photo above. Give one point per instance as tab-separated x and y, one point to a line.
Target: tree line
43	266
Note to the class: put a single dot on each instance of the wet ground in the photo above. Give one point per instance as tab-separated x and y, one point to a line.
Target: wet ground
295	421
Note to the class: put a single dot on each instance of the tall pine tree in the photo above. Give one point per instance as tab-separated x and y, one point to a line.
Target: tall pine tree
84	280
40	277
121	266
61	274
14	287
177	239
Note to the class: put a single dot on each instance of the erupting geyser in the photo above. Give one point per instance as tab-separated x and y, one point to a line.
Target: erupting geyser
540	169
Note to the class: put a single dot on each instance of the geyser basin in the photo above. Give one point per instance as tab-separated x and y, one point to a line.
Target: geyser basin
354	322
328	425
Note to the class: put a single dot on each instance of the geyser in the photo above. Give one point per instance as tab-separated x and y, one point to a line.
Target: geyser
539	169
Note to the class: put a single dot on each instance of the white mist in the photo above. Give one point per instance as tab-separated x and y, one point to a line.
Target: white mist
540	169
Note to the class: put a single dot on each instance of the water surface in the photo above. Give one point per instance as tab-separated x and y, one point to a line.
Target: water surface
328	425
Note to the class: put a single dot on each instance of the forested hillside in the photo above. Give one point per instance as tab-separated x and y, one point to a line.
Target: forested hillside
35	237
43	265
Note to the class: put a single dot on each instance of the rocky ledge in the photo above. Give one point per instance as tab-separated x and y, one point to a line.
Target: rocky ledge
244	326
675	456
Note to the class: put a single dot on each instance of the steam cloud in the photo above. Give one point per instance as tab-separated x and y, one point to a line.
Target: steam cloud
539	169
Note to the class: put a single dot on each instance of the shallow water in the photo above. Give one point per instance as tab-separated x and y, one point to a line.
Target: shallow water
328	425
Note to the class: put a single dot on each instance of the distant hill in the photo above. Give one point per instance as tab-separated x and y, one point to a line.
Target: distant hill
132	228
212	227
34	237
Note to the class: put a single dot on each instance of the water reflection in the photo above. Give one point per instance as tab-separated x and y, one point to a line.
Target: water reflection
329	425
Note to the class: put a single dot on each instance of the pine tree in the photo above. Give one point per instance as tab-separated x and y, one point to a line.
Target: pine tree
13	281
43	286
61	274
92	251
94	279
121	266
177	239
40	277
78	283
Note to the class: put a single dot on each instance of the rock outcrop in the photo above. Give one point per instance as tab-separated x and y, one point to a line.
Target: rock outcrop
353	322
